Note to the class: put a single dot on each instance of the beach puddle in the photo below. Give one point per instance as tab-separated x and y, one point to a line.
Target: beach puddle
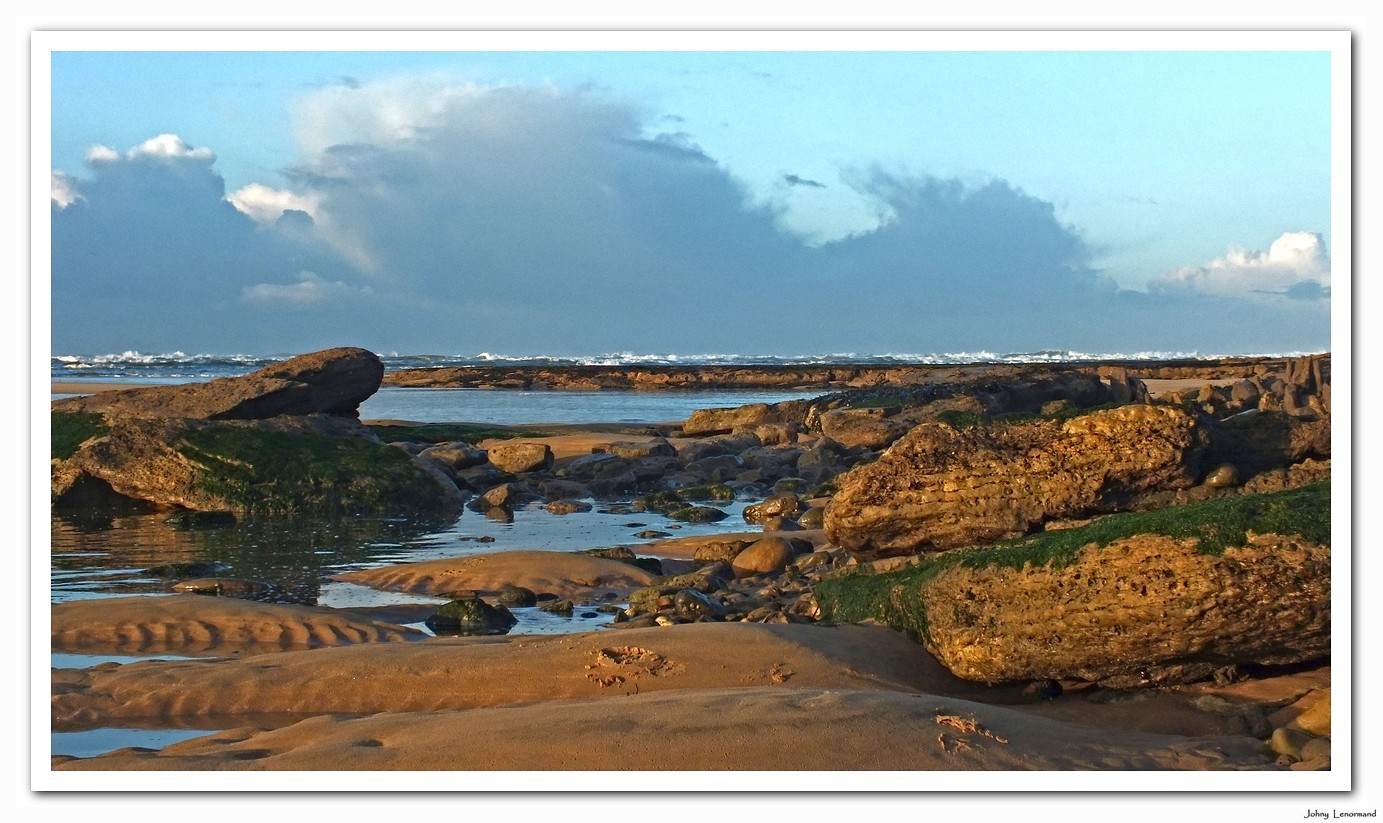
101	556
95	742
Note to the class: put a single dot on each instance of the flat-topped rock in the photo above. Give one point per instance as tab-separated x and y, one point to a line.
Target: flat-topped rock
333	381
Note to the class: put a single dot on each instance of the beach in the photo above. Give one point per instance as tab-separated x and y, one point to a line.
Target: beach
702	662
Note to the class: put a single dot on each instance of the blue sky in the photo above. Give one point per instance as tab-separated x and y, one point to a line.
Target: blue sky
556	202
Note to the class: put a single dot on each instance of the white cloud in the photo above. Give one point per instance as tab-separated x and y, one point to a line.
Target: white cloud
168	147
1295	265
63	190
98	154
265	205
308	291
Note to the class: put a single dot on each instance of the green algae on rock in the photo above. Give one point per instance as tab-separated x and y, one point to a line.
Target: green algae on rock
1150	597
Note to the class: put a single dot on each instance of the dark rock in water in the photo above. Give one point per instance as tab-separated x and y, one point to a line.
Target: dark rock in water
197	521
779	504
651	534
186	570
224	587
612	553
568	506
698	514
516	596
561	607
471	616
507	496
334	382
662	502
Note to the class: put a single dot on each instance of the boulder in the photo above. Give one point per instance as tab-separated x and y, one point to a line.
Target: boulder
471	616
315	463
777	505
456	455
862	427
942	487
634	451
519	457
333	382
1141	611
1130	600
767	555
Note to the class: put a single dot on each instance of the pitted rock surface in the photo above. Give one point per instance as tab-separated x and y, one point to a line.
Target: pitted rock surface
1141	611
941	487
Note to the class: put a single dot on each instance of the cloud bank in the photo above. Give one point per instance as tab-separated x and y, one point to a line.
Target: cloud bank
427	217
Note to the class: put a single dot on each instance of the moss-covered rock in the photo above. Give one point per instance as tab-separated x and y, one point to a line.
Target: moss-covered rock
1151	597
698	514
314	463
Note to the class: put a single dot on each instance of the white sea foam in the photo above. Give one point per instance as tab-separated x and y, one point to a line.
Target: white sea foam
177	364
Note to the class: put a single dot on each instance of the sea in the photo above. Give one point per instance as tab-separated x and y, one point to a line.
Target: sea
104	554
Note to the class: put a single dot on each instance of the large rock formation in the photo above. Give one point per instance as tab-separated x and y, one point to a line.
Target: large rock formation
333	381
282	439
942	486
314	463
1143	610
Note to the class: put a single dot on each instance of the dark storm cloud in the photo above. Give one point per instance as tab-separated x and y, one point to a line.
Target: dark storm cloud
529	220
794	180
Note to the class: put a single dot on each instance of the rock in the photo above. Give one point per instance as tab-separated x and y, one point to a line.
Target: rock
940	487
471	616
1289	742
1316	719
556	489
599	465
719	550
663	502
698	514
508	496
516	596
779	504
711	421
223	587
199	521
651	534
779	523
518	457
314	463
813	518
562	607
695	605
333	382
868	428
1223	476
456	455
767	555
568	506
1143	610
652	448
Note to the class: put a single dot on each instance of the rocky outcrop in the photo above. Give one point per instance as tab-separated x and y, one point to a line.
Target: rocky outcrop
942	486
1167	596
313	463
334	382
1144	610
284	439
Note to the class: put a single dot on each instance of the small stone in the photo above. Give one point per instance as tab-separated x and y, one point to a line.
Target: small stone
1289	742
516	596
562	607
768	555
517	458
471	616
567	506
1222	477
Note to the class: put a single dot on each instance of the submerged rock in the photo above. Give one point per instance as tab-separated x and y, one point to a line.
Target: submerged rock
471	616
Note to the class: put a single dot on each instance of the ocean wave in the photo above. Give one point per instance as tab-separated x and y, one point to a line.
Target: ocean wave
177	364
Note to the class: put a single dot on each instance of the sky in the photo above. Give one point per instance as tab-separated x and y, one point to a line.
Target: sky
790	202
